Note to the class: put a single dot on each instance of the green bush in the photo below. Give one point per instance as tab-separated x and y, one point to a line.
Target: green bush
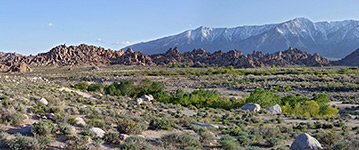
24	143
243	138
128	126
228	142
111	137
273	141
157	124
206	136
130	146
181	139
12	117
81	86
43	128
95	87
88	133
65	128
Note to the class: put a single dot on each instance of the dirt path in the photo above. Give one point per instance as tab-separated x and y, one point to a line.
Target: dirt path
87	95
339	104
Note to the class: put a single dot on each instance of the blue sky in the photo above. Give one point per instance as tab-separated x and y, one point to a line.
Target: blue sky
30	27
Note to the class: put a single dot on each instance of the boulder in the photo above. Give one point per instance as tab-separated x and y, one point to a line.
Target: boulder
99	132
251	107
138	101
275	109
43	101
349	116
80	121
51	116
93	68
206	125
305	142
123	136
147	97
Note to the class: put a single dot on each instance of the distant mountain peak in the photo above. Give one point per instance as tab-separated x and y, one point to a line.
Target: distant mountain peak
328	38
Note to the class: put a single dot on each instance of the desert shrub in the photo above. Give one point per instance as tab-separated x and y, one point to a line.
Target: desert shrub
78	142
273	141
81	86
135	142
72	120
65	128
43	128
111	137
24	143
268	132
253	148
181	139
88	133
228	142
128	126
243	138
328	139
95	87
234	131
157	124
265	98
11	117
206	136
130	146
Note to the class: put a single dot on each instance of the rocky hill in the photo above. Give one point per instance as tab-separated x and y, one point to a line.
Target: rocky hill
91	55
6	56
329	38
350	60
63	55
239	60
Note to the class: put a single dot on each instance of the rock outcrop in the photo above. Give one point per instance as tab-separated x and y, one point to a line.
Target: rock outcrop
19	68
63	55
275	109
4	67
350	60
251	107
305	142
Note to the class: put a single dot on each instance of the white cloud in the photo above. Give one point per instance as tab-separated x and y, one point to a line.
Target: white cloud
50	24
124	43
190	25
100	40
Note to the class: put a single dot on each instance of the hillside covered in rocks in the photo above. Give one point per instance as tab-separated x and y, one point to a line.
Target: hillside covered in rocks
63	55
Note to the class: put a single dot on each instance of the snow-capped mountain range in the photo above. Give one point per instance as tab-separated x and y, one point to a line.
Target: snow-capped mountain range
334	39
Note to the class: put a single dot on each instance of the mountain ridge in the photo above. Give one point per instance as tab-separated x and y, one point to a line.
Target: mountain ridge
328	38
63	55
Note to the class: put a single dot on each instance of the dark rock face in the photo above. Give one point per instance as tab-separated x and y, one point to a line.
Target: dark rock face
19	68
83	54
350	60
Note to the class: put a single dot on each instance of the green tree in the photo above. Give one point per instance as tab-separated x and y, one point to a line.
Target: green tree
265	98
311	108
